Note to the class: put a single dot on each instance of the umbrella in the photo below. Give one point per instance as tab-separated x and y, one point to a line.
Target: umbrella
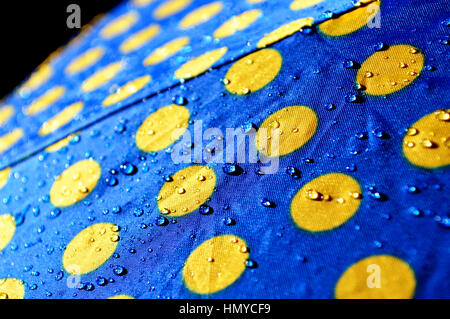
224	149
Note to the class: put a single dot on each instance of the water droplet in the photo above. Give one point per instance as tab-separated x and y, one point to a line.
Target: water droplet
415	211
59	276
82	189
374	194
444	222
380	134
352	98
111	181
361	136
119	271
349	64
55	213
307	30
380	46
161	221
179	100
330	107
292	171
128	168
260	171
378	244
119	128
138	212
267	203
248	127
412	131
412	189
446	22
231	169
275	124
410	144
356	195
165	211
101	281
428	143
205	210
442	115
228	221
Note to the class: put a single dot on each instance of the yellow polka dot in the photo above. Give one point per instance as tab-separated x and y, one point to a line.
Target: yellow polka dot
38	77
166	51
7	230
427	142
9	139
142	3
60	144
189	189
11	288
119	25
162	128
85	60
61	119
295	125
75	183
5	114
237	23
326	202
388	71
101	77
140	38
170	7
90	248
201	15
126	90
4	176
200	64
255	1
253	71
302	4
396	279
45	100
121	297
284	31
215	264
351	21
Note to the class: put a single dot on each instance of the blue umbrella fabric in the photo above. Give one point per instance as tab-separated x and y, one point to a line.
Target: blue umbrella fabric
224	149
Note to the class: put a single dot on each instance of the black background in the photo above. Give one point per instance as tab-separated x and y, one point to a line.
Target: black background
31	30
